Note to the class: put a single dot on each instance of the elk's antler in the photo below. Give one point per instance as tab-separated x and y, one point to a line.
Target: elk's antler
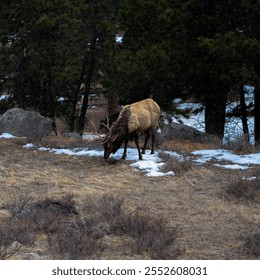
96	130
107	125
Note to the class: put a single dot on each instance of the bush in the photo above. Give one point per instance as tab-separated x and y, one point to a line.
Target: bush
17	205
75	241
243	189
110	207
74	235
178	164
252	245
239	146
150	235
44	215
13	236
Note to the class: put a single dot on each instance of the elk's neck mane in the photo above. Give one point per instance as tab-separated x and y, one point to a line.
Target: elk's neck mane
123	119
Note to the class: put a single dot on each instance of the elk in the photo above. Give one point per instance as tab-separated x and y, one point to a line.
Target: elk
139	117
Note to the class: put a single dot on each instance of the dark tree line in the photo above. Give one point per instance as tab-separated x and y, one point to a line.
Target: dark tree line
180	48
207	49
54	47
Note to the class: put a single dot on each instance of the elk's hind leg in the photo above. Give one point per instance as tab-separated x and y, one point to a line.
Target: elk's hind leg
137	145
153	138
146	139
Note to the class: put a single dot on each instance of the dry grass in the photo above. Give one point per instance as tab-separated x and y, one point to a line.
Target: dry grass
244	189
210	226
185	146
240	146
179	165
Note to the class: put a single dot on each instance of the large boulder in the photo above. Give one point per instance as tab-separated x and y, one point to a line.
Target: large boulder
22	123
174	131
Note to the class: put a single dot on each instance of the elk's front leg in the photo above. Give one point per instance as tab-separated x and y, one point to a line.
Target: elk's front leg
125	148
152	148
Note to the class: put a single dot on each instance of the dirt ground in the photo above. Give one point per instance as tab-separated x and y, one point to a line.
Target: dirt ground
210	226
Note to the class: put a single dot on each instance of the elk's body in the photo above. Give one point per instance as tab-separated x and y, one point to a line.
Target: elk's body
139	117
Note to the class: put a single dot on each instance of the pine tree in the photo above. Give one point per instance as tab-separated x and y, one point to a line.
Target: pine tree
45	54
56	47
179	48
222	50
139	67
100	18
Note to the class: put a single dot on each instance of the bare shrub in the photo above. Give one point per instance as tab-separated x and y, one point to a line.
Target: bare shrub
48	215
45	221
243	189
108	211
74	241
252	245
65	206
44	215
239	146
110	206
151	235
13	236
73	236
178	164
17	205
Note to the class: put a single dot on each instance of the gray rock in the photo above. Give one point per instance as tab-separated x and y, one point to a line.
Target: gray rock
174	131
30	256
22	123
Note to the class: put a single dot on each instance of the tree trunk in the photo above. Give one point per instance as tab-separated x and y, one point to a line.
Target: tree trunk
76	95
112	103
243	113
89	78
257	115
215	110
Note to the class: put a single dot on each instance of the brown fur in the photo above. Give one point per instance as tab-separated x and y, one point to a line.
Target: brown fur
138	117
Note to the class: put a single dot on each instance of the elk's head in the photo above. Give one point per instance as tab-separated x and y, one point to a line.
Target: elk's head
113	140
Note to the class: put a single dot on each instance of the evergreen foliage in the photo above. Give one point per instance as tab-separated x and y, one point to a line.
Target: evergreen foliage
181	48
49	55
169	49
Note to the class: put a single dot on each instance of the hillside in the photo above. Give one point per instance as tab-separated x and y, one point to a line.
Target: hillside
201	218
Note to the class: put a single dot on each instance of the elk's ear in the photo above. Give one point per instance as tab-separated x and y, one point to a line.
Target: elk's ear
114	138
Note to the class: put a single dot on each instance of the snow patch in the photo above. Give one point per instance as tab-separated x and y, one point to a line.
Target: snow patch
7	136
